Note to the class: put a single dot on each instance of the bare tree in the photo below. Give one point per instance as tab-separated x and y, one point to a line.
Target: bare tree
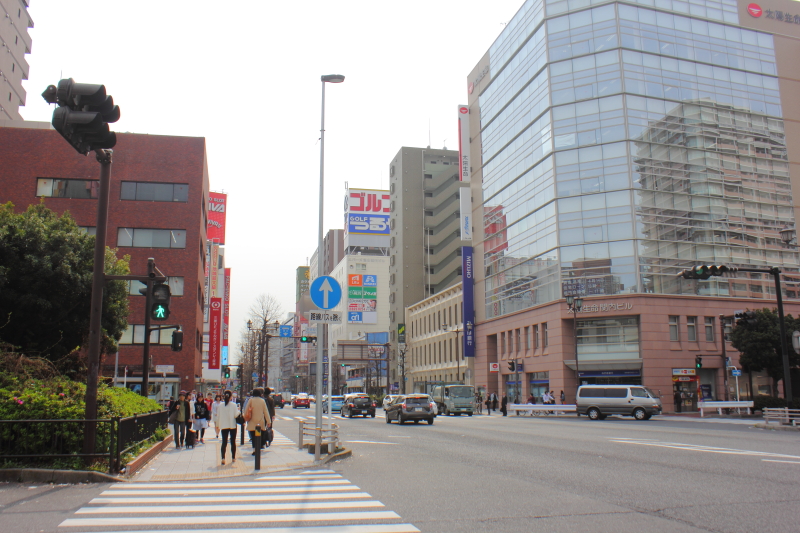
263	317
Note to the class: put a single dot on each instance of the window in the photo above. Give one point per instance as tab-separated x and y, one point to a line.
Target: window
709	329
673	328
518	346
544	335
536	337
135	335
175	286
691	328
637	392
151	238
91	230
154	192
527	338
58	188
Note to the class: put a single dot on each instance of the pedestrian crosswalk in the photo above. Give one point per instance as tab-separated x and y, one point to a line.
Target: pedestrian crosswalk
313	501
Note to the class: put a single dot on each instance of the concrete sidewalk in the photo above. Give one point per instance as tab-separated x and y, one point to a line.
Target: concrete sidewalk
204	460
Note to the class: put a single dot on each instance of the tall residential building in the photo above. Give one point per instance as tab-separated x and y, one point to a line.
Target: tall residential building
617	144
15	42
425	245
157	208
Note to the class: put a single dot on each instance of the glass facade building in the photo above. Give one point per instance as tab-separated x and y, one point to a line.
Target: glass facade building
623	142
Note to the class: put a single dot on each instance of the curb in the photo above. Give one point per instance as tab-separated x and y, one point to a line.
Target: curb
44	475
146	456
777	427
345	453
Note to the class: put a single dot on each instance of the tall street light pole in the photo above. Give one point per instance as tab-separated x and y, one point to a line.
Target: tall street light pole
328	78
574	306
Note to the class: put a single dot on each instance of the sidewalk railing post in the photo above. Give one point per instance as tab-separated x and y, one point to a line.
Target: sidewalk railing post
257	446
300	437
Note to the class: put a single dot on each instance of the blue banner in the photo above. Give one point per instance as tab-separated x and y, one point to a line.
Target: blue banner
468	277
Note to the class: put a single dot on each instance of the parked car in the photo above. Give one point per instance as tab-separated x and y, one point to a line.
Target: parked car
388	399
599	401
414	407
336	403
358	404
301	400
278	399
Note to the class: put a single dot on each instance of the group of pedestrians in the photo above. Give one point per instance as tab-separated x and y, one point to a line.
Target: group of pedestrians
192	412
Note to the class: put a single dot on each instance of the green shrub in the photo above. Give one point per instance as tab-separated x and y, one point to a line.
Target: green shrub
760	402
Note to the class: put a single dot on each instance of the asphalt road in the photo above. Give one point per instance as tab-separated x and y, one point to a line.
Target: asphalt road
473	474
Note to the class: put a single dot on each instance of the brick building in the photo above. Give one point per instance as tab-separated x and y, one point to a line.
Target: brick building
157	208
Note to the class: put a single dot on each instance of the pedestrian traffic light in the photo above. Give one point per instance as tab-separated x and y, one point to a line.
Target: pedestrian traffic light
83	114
160	302
698	362
704	271
306	338
238	372
512	365
226	372
177	340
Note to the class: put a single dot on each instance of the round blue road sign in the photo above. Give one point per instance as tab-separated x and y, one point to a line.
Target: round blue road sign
325	292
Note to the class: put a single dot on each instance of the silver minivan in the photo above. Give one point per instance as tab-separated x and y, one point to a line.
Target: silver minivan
599	401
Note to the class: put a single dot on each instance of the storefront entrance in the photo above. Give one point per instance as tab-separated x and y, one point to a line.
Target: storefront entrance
685	394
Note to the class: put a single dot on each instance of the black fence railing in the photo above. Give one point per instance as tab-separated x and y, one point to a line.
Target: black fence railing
55	443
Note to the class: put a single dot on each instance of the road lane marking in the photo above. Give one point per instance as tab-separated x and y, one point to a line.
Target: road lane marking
292	506
251	490
777	461
239	498
227	519
698	448
307	481
354	528
368	442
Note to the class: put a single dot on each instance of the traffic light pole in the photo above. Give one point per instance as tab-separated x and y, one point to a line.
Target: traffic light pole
96	314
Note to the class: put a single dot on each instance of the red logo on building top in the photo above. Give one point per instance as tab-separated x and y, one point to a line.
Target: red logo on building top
463	110
754	10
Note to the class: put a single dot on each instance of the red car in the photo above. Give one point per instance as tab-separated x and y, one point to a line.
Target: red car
302	401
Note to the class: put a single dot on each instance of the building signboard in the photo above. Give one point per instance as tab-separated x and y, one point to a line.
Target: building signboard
362	299
217	205
366	217
463	143
214	333
467	291
465	208
684	372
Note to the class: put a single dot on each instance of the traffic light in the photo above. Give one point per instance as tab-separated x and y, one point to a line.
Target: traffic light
160	303
745	318
226	372
306	338
698	362
83	114
239	373
177	340
704	271
512	365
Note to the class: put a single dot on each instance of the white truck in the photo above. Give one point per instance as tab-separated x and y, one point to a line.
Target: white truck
454	399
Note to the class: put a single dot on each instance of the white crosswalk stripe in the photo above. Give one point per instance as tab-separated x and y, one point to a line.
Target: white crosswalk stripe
307	502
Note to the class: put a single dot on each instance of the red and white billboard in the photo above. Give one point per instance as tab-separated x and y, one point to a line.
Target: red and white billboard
465	171
214	333
217	205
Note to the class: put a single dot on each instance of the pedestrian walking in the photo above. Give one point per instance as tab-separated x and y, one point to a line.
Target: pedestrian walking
201	417
209	401
494	401
504	406
488	405
227	412
562	397
271	408
178	415
215	412
256	413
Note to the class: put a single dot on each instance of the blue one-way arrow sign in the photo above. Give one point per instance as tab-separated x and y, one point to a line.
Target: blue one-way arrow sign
325	292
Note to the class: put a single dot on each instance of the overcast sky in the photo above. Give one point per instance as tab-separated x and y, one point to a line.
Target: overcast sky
246	76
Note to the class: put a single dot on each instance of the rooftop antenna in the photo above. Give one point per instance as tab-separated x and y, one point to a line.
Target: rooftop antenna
429	134
444	143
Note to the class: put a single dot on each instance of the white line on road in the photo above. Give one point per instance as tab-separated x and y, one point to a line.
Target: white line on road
227	519
299	481
239	498
777	461
699	448
260	490
355	528
293	506
368	442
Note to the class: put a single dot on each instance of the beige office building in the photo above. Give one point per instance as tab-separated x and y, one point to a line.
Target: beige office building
15	43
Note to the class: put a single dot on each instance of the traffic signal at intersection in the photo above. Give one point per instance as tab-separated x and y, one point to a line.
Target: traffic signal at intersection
512	365
704	271
177	341
745	318
83	114
226	372
698	362
159	309
306	338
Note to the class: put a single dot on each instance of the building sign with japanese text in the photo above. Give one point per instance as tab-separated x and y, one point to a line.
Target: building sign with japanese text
217	205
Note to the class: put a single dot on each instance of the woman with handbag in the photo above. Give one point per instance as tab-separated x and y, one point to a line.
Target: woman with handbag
227	413
257	414
201	417
179	414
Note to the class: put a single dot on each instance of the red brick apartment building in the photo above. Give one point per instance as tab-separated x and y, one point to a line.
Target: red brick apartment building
157	208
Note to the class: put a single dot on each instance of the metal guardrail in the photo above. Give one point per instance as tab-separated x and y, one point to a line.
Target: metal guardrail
327	435
782	415
719	406
42	441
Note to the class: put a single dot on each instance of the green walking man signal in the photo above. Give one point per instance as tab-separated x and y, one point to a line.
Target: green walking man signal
161	296
698	362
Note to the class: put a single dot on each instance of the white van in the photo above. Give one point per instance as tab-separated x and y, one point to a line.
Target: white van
599	401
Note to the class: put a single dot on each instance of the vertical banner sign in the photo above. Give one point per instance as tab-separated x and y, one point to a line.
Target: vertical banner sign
207	282
469	305
465	205
214	270
214	333
463	143
401	333
226	315
217	204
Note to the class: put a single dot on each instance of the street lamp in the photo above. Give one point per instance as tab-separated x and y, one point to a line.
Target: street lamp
574	306
328	78
456	330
